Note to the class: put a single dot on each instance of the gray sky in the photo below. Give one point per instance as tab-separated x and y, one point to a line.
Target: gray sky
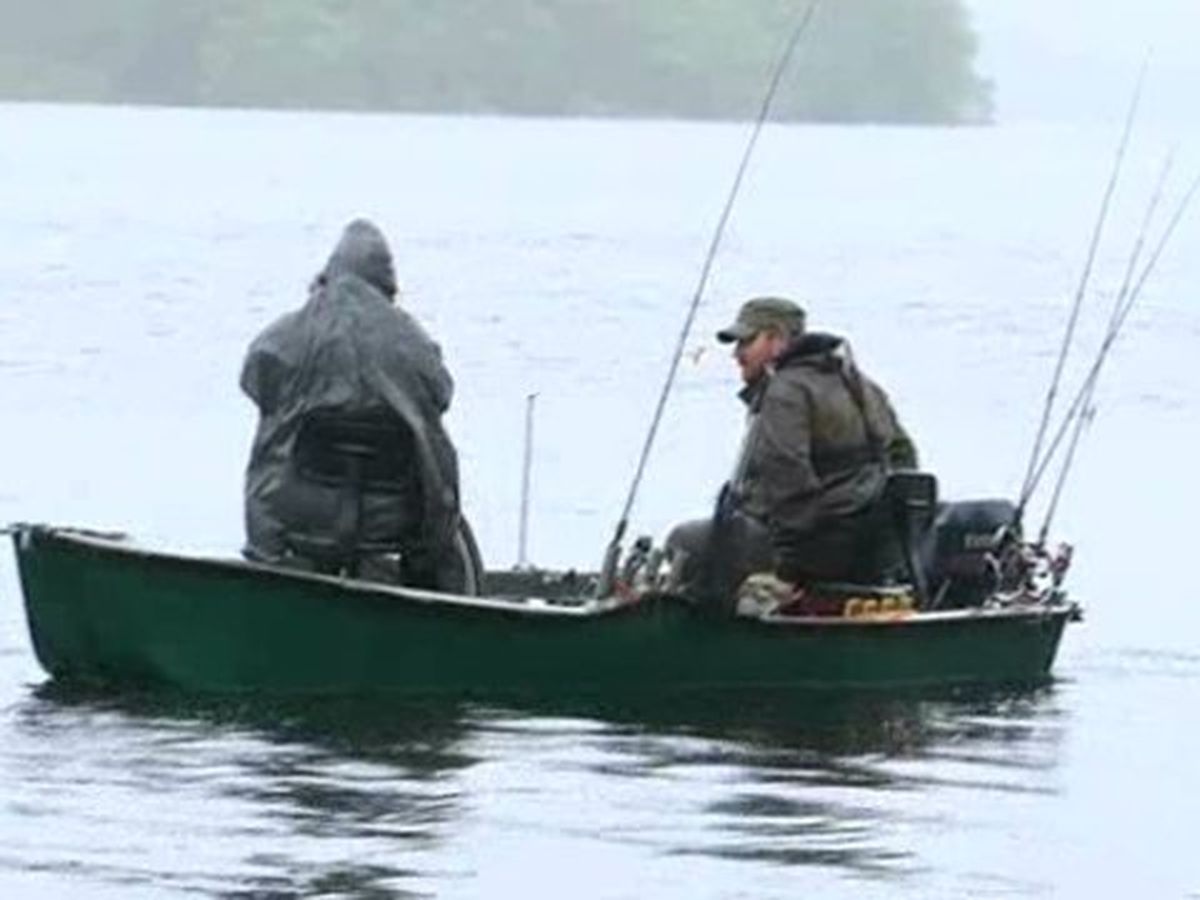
1077	60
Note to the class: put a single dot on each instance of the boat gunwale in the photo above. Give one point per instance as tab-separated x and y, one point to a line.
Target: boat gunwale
123	545
532	606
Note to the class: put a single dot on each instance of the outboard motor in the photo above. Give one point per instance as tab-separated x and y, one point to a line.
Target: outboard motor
960	551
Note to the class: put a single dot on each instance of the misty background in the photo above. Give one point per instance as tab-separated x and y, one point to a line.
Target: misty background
914	61
141	249
1076	61
866	61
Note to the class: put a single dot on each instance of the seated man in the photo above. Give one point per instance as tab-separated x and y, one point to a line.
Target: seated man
350	457
806	498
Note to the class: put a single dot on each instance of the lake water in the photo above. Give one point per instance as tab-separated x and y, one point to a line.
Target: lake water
141	250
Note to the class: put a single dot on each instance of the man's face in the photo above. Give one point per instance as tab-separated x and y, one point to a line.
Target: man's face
756	352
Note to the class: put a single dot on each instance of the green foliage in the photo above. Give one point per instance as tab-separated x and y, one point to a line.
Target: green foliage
862	60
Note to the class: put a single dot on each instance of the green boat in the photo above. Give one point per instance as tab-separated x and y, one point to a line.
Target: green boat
104	610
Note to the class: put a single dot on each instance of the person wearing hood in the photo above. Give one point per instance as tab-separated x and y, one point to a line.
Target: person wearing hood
350	354
805	500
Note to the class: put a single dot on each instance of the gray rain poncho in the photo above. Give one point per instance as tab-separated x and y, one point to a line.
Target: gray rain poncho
347	351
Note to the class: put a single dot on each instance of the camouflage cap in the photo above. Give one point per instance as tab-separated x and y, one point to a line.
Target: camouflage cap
762	313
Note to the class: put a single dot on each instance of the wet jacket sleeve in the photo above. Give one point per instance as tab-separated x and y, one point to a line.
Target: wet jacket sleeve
263	376
902	452
437	378
783	447
900	449
424	356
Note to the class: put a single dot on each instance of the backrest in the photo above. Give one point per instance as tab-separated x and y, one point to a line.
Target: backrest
911	501
372	452
911	498
353	461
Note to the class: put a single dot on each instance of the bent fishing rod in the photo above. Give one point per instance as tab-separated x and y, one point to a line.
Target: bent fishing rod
1081	290
777	74
1110	337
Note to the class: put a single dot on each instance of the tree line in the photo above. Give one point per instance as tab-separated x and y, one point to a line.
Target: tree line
861	61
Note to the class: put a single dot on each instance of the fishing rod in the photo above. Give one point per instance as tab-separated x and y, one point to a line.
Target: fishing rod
1088	406
1111	336
764	111
1081	290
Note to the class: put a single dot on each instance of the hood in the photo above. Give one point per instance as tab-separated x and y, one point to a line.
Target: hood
363	251
815	349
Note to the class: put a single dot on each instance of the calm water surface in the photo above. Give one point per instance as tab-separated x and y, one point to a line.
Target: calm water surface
140	251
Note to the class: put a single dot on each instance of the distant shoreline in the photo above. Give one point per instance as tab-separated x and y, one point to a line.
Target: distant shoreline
456	114
862	61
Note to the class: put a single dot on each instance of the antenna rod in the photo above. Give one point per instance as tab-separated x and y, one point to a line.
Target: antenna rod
526	468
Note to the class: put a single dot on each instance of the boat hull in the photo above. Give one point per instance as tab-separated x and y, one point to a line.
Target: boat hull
103	611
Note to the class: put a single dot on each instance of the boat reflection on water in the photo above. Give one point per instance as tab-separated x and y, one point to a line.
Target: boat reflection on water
329	798
787	779
833	722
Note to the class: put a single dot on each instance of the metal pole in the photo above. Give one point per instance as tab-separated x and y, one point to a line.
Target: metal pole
526	467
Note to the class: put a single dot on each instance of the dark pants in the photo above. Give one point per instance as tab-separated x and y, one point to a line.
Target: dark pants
710	559
710	563
861	549
453	568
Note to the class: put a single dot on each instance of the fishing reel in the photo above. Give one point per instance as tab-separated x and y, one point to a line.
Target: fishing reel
628	576
1029	572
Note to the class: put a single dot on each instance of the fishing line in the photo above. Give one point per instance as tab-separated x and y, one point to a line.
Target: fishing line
776	77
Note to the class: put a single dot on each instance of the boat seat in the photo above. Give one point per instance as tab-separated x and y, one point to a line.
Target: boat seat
366	459
911	500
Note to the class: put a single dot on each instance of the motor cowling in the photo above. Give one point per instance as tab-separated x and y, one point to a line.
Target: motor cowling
960	550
